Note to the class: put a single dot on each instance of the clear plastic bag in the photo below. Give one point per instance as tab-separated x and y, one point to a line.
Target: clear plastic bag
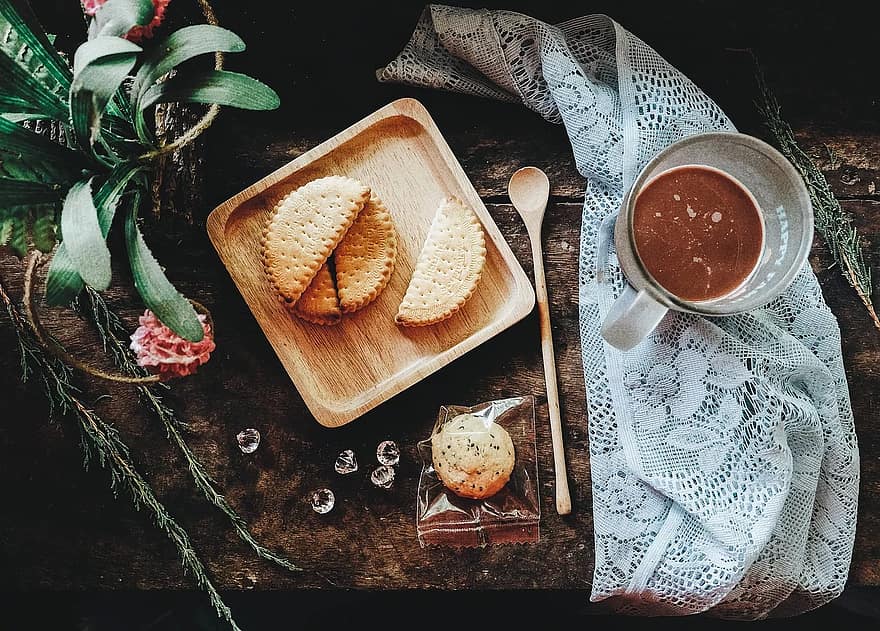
512	515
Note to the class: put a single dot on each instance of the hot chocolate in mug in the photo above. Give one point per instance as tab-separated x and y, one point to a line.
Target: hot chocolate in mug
715	224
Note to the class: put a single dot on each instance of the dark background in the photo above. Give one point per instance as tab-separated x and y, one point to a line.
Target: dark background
819	57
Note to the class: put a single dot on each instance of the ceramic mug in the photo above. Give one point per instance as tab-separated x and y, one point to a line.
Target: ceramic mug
783	201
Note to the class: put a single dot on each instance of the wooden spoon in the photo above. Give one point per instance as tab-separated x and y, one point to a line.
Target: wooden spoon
529	190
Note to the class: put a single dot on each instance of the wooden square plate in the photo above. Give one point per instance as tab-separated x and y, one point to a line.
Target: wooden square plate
345	370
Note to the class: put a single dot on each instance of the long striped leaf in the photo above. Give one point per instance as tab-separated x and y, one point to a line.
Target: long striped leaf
21	117
12	103
15	167
178	47
159	295
58	163
17	82
213	86
107	197
63	282
100	66
22	39
82	236
23	193
18	167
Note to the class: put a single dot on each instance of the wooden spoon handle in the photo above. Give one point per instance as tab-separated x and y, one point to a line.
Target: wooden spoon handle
563	497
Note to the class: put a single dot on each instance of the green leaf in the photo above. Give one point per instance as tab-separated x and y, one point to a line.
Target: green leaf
178	47
83	238
10	103
117	17
43	233
7	212
63	282
19	118
18	83
93	50
100	66
108	195
17	139
16	168
55	162
13	233
21	225
213	86
23	193
31	70
160	296
6	227
23	40
18	240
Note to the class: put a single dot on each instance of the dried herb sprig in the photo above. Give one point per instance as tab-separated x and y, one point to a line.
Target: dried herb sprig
113	334
100	441
833	223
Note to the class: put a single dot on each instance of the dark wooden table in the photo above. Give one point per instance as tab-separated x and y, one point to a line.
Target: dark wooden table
62	530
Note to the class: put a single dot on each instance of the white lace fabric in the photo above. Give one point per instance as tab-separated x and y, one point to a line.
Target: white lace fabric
724	461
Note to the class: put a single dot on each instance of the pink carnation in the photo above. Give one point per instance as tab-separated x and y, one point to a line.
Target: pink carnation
91	6
137	33
163	352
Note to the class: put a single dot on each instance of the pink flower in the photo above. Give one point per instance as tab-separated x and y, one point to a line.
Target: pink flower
137	33
163	352
91	6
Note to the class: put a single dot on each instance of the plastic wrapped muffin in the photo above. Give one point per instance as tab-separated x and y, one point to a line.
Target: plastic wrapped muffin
479	476
473	458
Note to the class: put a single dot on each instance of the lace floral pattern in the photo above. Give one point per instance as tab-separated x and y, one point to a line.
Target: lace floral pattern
723	455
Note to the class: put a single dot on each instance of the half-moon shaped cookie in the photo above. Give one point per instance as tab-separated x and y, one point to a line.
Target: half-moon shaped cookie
305	228
365	257
448	269
318	303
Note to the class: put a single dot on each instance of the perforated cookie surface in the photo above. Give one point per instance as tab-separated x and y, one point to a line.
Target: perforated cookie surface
448	268
305	227
365	258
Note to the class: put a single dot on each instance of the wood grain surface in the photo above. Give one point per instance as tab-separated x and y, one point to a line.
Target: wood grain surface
61	528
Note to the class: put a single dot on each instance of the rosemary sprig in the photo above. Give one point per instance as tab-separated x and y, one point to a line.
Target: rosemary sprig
112	333
101	441
832	222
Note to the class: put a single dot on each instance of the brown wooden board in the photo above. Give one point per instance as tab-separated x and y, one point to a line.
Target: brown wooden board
61	529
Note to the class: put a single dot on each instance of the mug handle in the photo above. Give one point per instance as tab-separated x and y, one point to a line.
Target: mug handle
631	318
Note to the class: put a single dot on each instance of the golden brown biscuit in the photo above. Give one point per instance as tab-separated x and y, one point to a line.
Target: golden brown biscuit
305	228
473	457
318	303
365	257
448	268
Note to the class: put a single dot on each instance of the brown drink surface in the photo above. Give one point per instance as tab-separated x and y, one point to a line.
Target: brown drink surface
697	231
